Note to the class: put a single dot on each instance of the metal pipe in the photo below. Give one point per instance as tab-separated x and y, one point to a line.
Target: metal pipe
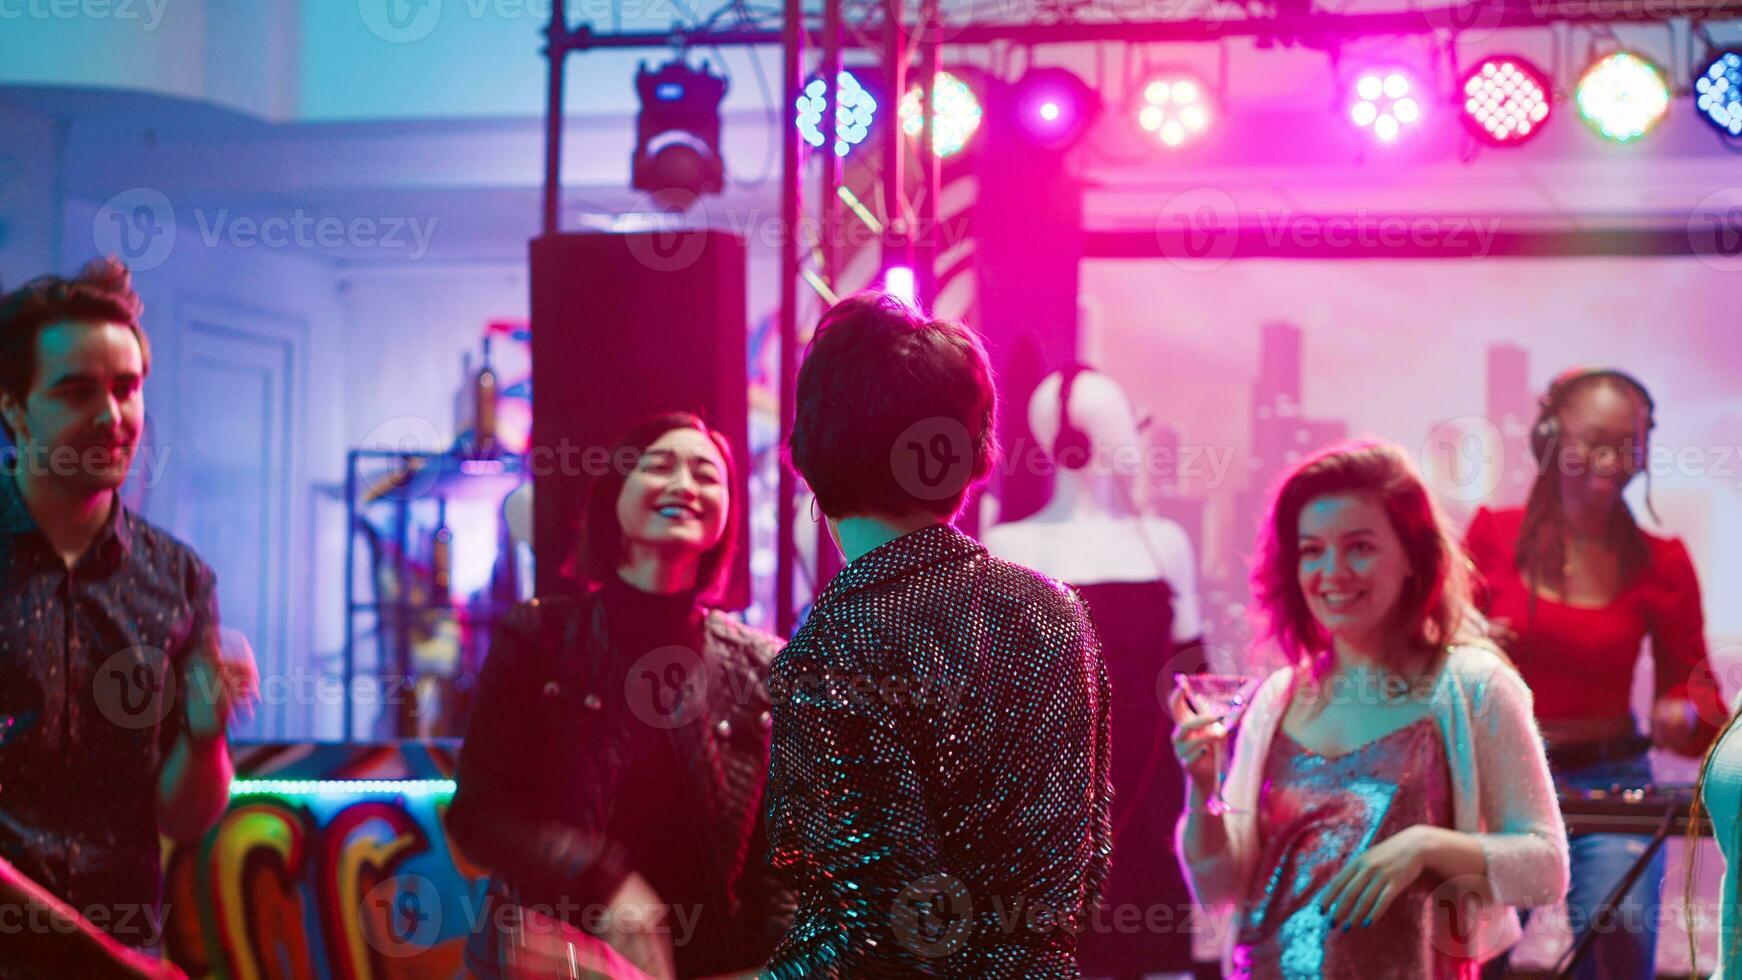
791	207
830	70
351	595
895	211
928	237
556	48
831	245
1318	27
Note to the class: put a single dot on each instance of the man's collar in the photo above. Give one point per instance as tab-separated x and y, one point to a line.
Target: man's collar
15	517
119	525
910	553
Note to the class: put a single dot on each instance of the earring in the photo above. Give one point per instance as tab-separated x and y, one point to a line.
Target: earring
814	518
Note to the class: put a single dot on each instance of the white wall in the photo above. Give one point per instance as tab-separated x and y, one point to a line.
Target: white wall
296	292
29	176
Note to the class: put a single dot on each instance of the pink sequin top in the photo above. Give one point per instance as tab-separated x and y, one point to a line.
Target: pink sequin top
1315	815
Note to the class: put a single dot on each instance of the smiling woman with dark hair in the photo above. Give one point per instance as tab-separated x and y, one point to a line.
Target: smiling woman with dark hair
1575	587
943	754
616	754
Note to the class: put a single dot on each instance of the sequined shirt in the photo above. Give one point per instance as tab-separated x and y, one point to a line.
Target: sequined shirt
939	786
1317	814
89	707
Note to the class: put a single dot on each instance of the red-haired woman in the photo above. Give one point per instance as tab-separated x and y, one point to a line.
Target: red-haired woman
615	757
1395	756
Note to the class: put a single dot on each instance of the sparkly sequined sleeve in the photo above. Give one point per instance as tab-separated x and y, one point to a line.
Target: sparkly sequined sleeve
848	818
1524	838
927	837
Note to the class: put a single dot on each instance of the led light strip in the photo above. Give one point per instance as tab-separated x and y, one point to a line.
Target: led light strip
342	787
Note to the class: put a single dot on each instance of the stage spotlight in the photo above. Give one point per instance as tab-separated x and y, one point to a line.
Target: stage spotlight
1176	108
1054	107
898	282
1623	96
955	117
1506	100
854	111
1718	93
1385	103
677	149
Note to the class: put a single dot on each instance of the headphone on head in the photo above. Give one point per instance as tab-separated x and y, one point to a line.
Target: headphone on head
1070	438
1546	434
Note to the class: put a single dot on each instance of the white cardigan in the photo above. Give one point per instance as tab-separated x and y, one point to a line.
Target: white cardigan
1501	792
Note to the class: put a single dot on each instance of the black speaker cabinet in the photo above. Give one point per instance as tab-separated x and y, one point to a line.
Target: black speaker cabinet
625	326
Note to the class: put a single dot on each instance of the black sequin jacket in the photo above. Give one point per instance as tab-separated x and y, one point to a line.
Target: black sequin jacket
939	790
549	734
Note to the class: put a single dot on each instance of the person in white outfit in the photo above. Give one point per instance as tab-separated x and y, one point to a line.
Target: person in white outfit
1139	578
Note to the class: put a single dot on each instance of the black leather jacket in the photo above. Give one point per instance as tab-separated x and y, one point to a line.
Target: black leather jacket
549	735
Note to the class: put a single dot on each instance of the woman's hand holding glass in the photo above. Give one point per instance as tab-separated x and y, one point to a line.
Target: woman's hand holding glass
1199	741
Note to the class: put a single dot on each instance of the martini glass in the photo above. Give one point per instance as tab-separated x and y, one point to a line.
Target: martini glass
1222	697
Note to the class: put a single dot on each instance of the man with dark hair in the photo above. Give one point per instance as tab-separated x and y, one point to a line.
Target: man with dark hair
113	700
939	787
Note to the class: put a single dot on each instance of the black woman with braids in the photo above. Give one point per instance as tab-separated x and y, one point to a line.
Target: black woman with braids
1574	587
939	787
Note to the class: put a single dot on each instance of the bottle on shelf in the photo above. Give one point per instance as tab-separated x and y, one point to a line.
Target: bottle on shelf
442	563
484	394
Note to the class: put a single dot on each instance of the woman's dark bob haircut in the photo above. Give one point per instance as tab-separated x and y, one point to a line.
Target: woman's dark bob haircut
601	543
895	411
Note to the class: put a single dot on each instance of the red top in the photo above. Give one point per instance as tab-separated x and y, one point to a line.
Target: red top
1579	661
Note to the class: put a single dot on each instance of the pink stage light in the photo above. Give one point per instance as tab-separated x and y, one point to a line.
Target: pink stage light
1175	108
898	282
1385	104
1506	100
1054	106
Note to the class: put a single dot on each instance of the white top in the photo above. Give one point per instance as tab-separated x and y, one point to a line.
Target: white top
1092	550
1501	791
1723	801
